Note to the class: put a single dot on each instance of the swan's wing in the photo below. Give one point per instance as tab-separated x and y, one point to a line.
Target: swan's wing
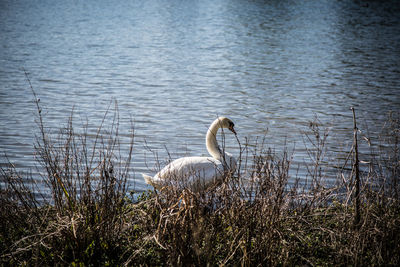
230	161
194	172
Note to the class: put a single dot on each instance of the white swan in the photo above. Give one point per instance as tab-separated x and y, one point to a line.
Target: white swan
198	173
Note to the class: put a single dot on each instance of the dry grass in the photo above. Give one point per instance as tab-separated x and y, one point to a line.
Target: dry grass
260	215
269	220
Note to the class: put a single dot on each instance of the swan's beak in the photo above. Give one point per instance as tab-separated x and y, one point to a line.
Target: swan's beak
232	129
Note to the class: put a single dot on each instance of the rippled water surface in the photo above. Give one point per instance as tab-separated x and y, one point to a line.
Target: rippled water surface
174	66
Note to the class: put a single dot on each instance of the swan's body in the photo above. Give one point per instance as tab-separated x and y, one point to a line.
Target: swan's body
198	173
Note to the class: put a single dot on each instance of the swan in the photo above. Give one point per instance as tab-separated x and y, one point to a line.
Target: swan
198	173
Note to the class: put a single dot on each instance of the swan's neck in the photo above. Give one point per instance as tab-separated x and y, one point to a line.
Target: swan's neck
211	140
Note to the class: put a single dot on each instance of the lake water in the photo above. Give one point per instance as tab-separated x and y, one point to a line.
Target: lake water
174	66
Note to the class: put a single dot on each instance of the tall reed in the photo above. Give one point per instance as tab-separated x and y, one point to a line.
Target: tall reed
261	214
86	177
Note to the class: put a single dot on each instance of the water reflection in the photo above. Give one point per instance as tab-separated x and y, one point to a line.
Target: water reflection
174	66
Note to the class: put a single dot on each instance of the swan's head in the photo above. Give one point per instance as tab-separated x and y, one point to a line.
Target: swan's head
227	123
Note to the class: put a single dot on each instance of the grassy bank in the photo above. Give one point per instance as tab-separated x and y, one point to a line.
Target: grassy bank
260	215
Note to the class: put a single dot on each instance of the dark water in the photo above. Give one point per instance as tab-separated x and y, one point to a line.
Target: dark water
174	66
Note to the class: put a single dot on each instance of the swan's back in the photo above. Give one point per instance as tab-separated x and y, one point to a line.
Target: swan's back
196	173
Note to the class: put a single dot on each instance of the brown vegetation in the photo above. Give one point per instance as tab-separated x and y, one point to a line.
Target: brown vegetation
260	215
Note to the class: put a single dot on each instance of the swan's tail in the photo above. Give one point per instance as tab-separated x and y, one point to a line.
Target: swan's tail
149	180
